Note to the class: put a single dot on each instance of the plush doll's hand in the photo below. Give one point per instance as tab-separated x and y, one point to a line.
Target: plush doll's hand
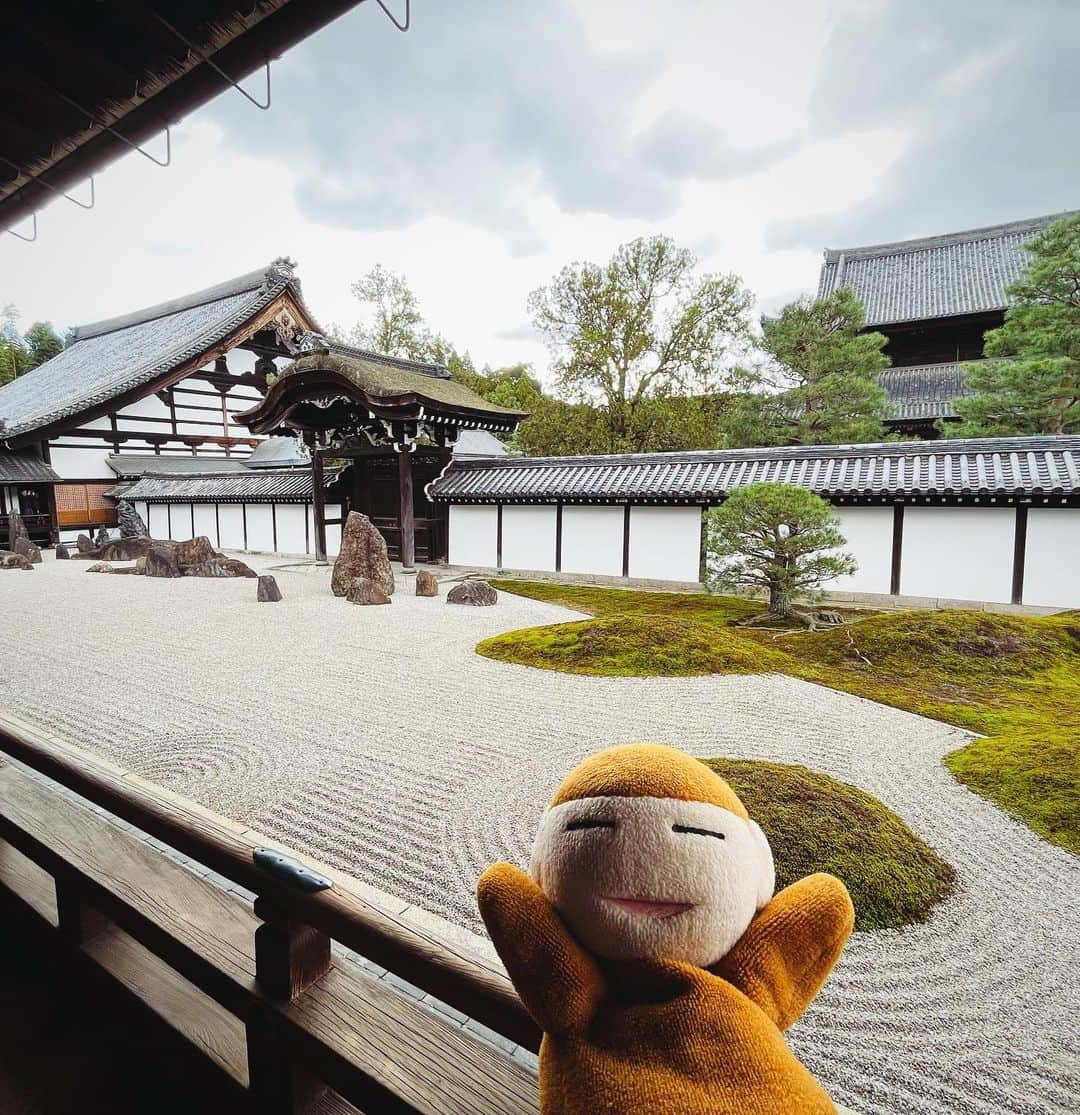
559	983
783	958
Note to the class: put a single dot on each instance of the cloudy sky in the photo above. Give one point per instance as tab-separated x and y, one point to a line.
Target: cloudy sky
500	139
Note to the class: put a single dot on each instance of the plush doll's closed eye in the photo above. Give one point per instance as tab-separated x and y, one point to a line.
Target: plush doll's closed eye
649	947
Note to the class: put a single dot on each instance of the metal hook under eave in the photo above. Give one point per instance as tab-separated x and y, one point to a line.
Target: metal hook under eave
38	181
213	65
393	19
28	239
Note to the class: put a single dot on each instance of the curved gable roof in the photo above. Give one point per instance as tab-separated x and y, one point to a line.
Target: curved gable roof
108	358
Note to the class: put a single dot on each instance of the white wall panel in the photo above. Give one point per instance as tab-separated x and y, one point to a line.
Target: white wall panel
1052	565
291	538
143	509
82	463
473	535
665	543
159	520
868	531
592	540
181	521
333	530
528	538
149	406
231	519
206	522
260	527
959	553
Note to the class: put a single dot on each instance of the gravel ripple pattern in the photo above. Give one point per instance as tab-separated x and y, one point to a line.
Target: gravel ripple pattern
375	738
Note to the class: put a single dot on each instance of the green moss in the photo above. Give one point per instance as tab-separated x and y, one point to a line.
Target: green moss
816	823
1015	679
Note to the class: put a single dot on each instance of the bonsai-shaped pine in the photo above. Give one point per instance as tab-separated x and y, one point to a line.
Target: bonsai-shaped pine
776	537
1031	383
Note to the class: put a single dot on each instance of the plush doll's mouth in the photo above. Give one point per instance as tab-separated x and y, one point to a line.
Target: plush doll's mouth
645	908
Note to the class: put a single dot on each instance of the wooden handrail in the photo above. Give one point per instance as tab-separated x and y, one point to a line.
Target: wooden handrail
460	979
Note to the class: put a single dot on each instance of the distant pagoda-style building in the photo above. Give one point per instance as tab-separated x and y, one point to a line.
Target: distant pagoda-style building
935	299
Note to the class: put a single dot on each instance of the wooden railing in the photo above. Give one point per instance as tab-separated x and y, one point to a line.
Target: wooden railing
262	995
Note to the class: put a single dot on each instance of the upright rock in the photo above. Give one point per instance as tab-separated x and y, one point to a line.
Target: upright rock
62	552
426	584
28	550
478	593
363	591
363	555
84	544
16	529
102	537
269	592
130	521
195	551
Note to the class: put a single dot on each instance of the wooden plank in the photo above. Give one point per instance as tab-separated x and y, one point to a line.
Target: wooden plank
31	884
458	977
209	1027
387	1053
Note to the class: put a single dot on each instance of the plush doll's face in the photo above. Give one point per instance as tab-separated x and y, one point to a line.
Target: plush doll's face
656	878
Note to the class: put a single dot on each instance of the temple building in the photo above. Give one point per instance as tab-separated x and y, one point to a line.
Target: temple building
934	299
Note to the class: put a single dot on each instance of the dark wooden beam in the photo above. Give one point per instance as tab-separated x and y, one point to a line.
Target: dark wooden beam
406	517
1019	553
318	507
558	538
897	547
626	541
498	535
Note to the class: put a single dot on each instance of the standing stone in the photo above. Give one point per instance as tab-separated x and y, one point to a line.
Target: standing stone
269	592
363	591
102	537
62	552
84	544
16	529
161	561
15	561
99	567
28	550
362	555
195	551
426	584
130	521
478	593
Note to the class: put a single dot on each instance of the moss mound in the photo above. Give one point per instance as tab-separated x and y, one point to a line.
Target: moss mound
633	645
816	823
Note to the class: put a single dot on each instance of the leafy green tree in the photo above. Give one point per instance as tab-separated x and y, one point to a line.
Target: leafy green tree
820	384
396	327
637	331
778	538
42	343
1031	384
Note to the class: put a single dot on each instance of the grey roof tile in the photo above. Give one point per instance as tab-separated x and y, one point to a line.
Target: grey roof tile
938	276
264	486
131	466
25	467
1043	465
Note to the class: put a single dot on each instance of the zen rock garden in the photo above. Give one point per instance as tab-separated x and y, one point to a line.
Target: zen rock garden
162	558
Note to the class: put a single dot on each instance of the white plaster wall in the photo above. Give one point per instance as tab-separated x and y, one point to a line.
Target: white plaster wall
260	527
959	553
231	518
291	538
665	543
158	523
473	535
333	530
528	538
181	521
868	531
80	463
141	507
149	406
592	540
1052	564
206	522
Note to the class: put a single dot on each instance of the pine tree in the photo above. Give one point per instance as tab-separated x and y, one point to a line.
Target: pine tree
1031	382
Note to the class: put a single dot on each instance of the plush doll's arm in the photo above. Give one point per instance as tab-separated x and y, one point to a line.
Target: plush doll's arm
559	983
783	958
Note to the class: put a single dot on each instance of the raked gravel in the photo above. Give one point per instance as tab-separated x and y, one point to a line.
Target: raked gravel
376	739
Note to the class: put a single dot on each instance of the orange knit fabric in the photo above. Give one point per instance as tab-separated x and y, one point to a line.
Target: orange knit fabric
647	770
665	1038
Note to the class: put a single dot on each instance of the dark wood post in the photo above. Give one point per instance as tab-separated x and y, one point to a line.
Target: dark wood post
289	957
897	548
406	515
318	505
1019	553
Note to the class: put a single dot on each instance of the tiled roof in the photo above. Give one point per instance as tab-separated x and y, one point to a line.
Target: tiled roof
130	466
264	486
108	358
924	390
25	467
940	276
1045	465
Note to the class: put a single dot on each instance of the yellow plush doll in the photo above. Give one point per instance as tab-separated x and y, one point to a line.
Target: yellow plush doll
650	950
